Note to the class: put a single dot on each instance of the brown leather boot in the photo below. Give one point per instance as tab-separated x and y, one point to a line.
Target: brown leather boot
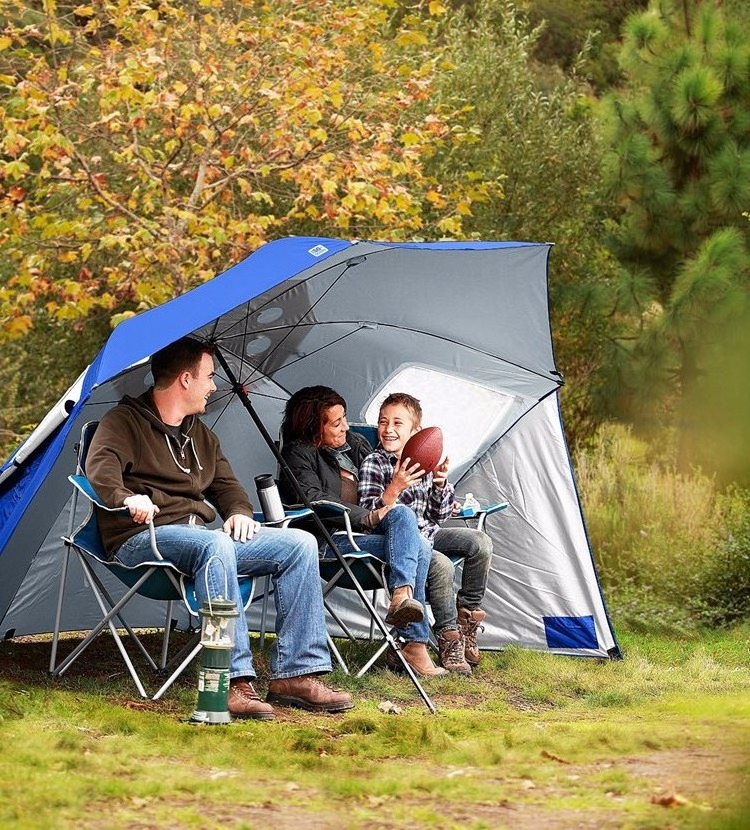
417	656
451	651
308	692
243	702
469	622
403	608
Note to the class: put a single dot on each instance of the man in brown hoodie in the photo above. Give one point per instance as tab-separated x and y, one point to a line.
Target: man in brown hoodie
153	455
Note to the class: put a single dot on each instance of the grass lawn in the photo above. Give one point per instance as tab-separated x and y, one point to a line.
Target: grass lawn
660	739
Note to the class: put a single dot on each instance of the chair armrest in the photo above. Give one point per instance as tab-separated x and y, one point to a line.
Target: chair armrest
86	489
327	510
481	514
487	511
291	514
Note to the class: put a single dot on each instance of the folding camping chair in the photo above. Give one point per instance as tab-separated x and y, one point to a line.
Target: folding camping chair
368	570
157	580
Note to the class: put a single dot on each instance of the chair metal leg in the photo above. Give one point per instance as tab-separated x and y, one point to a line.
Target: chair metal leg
337	654
178	671
165	638
110	613
96	583
368	665
108	621
264	609
58	612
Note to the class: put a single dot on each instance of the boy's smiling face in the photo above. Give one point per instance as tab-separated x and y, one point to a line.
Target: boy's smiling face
396	425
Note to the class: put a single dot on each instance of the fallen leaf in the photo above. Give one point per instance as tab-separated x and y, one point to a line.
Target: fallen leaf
669	800
552	757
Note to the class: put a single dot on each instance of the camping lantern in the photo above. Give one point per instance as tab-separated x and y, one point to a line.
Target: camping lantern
218	620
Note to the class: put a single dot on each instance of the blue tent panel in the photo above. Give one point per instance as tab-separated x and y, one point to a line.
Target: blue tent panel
570	632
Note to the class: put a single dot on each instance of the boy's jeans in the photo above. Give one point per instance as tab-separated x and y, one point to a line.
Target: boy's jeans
475	548
396	540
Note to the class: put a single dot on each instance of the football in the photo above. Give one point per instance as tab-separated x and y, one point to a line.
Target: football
425	448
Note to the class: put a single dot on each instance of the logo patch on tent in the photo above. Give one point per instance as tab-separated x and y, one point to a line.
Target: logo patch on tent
318	250
570	632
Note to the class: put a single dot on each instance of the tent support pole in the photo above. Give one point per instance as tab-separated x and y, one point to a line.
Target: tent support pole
241	393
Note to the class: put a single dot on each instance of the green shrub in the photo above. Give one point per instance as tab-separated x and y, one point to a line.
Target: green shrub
673	552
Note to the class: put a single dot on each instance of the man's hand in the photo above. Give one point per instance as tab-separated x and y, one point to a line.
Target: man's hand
141	508
440	474
240	527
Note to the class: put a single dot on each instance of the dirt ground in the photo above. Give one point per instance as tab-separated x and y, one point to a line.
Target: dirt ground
666	786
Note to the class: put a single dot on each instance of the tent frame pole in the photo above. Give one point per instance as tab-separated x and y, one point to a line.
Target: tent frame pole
239	390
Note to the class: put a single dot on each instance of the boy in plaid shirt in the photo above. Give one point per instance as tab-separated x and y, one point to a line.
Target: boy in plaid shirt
385	480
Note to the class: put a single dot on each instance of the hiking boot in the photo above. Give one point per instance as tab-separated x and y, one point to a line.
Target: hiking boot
451	651
417	656
403	608
469	622
308	692
243	702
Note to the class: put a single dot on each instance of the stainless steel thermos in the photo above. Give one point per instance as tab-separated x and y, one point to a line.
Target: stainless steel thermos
270	501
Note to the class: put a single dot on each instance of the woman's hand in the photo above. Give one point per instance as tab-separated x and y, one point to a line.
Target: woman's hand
376	516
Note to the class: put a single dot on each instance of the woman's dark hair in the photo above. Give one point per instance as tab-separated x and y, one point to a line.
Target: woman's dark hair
303	414
183	355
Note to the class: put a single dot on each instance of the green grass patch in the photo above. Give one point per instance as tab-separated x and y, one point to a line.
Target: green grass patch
672	548
529	735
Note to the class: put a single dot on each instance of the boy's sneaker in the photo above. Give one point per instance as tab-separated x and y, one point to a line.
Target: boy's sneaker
451	651
469	622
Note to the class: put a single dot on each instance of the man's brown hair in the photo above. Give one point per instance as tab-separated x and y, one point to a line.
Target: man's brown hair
184	355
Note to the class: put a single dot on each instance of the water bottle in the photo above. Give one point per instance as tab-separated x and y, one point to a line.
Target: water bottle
268	495
470	505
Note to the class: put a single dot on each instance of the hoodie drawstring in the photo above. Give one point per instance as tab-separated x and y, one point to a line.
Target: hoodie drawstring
174	457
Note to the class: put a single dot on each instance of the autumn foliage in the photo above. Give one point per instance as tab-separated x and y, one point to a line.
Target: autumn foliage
148	146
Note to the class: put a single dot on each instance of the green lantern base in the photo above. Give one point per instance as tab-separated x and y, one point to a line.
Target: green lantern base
213	688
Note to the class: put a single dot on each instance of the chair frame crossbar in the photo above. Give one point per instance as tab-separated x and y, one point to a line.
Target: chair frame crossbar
372	573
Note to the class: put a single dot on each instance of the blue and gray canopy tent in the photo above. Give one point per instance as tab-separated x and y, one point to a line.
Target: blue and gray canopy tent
463	326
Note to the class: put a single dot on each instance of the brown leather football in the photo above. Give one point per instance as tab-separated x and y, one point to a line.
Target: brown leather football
425	448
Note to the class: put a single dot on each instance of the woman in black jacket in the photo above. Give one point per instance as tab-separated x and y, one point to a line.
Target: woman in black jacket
324	457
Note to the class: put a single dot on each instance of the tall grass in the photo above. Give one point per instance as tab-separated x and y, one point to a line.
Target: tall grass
673	551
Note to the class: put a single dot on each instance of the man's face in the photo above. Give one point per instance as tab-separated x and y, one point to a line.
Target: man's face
201	385
334	427
395	426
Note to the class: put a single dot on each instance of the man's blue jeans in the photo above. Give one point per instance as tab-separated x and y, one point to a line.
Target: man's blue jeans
396	540
475	548
289	556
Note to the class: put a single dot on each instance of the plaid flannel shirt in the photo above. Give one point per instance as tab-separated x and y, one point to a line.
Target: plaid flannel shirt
432	505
